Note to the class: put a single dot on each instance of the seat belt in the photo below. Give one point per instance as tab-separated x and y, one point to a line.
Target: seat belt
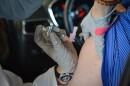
117	48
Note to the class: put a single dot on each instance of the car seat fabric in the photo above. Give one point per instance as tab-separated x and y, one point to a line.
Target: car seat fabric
117	48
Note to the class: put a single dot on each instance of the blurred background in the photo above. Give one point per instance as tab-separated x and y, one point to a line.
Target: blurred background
20	54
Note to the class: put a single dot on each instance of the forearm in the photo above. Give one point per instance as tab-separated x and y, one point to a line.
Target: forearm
100	10
60	71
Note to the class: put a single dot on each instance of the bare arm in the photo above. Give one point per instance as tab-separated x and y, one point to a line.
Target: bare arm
88	72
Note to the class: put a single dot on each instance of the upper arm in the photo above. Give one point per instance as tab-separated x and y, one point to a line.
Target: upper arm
88	71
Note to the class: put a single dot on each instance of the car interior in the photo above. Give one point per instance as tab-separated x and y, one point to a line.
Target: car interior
22	56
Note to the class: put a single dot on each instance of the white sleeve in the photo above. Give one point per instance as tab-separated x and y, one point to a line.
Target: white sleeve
46	79
8	78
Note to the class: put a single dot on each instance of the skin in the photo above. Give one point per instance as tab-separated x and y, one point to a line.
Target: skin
100	10
120	8
88	72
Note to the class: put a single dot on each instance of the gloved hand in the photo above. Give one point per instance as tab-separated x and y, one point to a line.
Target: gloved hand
92	25
61	51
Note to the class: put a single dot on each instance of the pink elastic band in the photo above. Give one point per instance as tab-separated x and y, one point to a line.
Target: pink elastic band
101	31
